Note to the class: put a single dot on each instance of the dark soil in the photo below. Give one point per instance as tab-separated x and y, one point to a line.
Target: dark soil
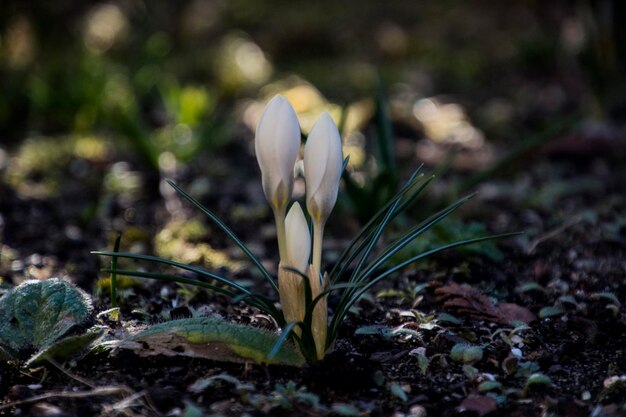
574	264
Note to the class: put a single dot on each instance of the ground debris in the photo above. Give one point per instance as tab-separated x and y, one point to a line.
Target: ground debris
470	302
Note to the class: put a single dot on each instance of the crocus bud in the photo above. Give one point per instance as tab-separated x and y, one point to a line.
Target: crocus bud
291	284
322	168
298	239
277	143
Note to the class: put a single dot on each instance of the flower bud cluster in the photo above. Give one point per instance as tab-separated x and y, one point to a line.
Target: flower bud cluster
277	145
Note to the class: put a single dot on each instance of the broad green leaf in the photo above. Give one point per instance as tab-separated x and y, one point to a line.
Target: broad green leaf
215	339
36	314
67	347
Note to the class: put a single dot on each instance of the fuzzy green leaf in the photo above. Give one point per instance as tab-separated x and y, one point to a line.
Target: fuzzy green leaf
36	314
67	347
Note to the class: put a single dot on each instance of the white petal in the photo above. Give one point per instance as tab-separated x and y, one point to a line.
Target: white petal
277	143
298	238
316	153
322	165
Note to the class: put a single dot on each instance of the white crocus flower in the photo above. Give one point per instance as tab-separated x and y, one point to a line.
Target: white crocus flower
290	284
277	143
298	239
322	168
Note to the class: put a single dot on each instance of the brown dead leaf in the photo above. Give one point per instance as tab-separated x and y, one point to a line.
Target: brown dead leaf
479	404
470	302
514	312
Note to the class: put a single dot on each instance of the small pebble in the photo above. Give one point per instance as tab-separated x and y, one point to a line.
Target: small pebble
417	411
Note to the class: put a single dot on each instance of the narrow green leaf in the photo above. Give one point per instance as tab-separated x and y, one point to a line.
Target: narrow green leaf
174	278
431	252
116	248
226	230
284	335
344	302
374	240
415	232
367	229
175	264
254	300
343	309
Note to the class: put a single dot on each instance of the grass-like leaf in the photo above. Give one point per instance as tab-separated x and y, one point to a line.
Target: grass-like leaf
362	239
348	302
228	231
254	300
415	232
282	339
175	278
116	248
180	265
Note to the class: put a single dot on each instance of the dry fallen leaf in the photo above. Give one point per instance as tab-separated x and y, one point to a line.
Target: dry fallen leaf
471	302
480	404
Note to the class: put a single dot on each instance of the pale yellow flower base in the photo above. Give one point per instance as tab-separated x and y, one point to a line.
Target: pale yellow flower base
291	291
292	301
319	324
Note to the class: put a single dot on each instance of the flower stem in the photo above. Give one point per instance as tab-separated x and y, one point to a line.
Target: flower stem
279	217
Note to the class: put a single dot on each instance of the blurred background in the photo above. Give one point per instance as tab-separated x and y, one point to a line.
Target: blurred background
100	101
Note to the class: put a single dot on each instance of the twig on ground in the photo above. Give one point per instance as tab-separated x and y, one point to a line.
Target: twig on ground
552	233
69	374
96	392
124	404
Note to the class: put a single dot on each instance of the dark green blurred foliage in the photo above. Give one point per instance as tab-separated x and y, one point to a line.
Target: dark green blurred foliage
131	85
171	71
367	199
453	229
603	56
